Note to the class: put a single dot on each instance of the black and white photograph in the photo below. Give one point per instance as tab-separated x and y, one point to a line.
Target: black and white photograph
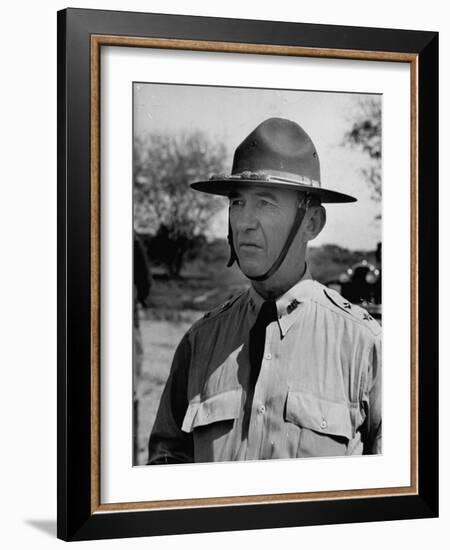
257	263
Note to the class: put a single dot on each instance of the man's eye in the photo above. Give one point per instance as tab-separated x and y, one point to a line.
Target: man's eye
264	203
236	202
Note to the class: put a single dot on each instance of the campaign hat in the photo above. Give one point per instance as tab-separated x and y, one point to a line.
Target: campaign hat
278	153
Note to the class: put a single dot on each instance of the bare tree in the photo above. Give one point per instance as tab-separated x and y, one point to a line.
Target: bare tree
164	204
365	135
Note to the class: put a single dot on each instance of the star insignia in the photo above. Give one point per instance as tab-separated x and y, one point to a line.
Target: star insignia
367	317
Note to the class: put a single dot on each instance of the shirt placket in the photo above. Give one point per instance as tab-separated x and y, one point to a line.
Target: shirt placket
259	410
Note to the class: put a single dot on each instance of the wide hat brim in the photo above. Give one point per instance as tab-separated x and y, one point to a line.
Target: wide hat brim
225	185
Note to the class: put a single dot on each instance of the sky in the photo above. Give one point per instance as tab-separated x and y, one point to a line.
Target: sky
230	114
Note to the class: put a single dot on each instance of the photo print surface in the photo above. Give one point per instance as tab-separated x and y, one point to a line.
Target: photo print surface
257	274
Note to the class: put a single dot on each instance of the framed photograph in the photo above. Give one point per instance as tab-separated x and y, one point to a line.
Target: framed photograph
247	285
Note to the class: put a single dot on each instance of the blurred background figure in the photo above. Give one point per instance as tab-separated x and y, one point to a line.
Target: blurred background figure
142	282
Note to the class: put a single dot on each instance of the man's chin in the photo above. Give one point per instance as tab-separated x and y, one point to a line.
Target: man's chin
252	270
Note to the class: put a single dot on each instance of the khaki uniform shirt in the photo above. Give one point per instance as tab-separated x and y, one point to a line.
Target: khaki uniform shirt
318	392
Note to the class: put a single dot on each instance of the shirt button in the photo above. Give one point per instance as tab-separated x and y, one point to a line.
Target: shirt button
268	356
323	424
261	409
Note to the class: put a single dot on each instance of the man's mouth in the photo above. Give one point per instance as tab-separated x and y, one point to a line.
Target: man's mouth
249	245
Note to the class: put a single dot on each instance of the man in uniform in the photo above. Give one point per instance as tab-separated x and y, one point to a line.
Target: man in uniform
288	368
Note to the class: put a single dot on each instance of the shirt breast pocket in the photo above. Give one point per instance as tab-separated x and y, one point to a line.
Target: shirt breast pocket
326	426
211	420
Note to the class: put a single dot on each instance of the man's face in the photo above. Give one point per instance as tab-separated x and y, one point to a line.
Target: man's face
261	219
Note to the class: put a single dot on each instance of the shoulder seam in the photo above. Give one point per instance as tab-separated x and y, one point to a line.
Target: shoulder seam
348	315
214	313
337	305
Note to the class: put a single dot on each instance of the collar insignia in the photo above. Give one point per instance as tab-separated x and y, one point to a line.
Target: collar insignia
293	305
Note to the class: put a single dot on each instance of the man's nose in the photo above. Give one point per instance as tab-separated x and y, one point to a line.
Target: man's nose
246	219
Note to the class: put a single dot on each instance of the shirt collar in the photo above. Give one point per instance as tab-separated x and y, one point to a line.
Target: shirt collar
288	305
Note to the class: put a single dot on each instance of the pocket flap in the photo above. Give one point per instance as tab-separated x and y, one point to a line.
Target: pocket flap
221	406
320	415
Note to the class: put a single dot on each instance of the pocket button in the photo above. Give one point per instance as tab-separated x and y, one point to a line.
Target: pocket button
323	424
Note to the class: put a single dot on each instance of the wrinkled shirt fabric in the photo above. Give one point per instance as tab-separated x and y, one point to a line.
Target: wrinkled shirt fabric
318	392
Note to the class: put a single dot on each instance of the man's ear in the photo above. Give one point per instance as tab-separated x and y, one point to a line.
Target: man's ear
316	219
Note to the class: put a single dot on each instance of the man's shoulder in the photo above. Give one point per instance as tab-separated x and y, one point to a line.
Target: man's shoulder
333	301
218	313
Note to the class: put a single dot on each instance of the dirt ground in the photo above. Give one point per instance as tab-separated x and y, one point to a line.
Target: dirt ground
159	339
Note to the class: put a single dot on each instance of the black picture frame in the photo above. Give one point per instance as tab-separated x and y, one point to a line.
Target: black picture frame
79	517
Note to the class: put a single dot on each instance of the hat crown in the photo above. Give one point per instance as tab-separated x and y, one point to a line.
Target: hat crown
278	146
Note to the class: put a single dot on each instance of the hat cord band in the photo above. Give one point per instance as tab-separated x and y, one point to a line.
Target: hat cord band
274	176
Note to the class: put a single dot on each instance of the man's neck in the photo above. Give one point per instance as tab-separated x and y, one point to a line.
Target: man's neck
274	287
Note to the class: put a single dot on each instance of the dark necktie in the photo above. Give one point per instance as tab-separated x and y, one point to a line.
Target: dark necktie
257	339
266	315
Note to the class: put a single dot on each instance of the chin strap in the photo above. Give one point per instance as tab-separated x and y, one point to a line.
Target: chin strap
299	216
233	257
